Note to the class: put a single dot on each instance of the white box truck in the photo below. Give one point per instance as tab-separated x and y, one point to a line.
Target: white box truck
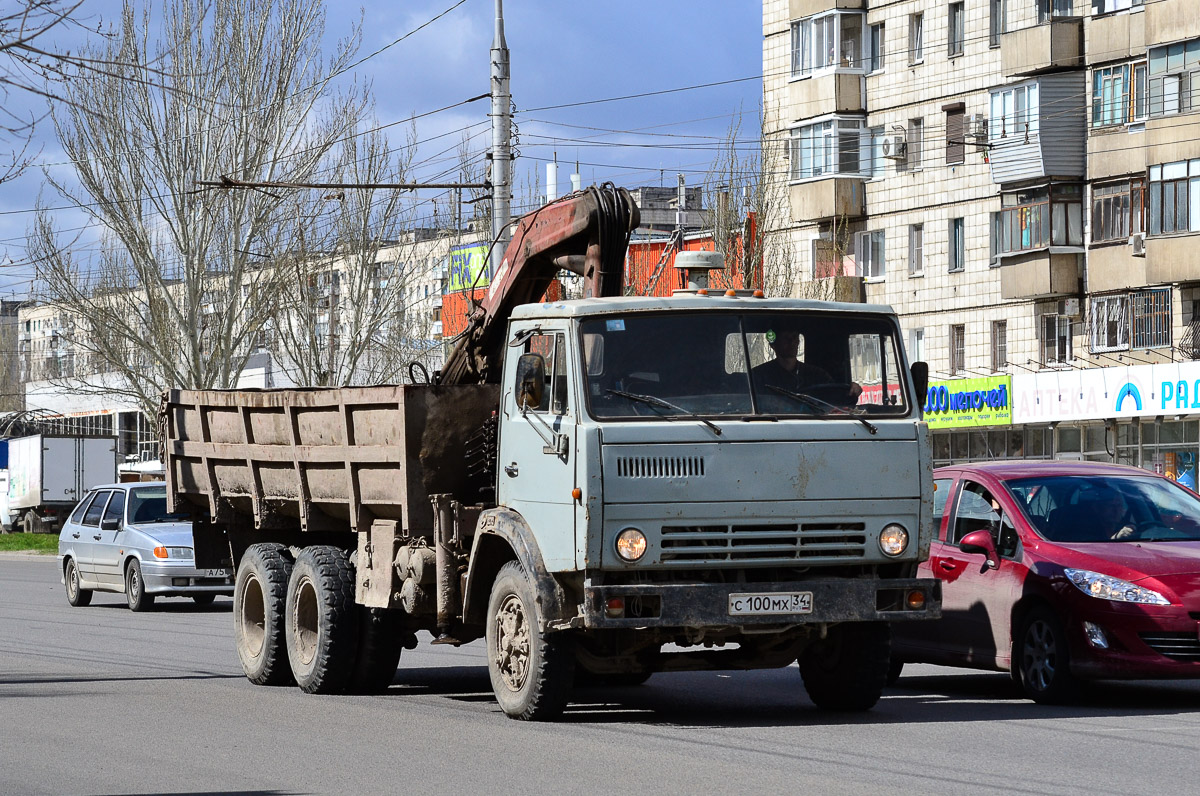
48	475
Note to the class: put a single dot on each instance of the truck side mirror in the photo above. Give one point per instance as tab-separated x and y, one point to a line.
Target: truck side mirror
531	381
920	376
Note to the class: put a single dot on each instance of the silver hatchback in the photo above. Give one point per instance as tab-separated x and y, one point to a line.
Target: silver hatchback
120	538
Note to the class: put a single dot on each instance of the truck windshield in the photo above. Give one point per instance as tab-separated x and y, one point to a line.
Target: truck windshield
811	364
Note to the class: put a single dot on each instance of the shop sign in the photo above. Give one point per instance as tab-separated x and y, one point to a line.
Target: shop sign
468	266
1171	388
965	403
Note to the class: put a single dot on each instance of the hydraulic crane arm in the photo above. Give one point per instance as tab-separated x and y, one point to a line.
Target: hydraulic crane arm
586	233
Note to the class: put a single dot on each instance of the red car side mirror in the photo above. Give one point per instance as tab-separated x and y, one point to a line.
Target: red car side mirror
981	542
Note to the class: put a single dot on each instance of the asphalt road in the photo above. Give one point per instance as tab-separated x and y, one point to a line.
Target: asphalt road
101	700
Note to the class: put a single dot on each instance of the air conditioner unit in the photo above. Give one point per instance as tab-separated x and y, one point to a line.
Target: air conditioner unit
894	147
1138	242
976	125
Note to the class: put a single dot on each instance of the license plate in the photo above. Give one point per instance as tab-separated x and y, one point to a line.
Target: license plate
770	603
217	573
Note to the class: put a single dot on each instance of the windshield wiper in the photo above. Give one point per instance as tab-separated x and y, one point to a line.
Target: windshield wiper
829	410
654	401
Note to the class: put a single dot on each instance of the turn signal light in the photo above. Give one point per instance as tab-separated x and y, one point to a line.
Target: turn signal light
160	552
615	608
915	600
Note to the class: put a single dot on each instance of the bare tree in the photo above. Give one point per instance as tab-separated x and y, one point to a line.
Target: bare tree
343	319
185	279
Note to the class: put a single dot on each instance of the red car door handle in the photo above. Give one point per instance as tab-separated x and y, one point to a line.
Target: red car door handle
948	564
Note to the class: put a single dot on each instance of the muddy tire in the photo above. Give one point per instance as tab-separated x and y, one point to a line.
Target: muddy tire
259	596
135	588
77	596
1043	661
380	642
847	670
321	624
532	672
894	670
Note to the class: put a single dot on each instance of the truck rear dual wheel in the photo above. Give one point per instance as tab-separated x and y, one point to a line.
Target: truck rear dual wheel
847	670
259	597
322	620
532	671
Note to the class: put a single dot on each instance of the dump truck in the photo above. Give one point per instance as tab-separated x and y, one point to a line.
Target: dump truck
600	489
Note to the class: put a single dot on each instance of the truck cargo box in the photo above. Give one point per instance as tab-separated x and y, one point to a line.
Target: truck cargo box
323	459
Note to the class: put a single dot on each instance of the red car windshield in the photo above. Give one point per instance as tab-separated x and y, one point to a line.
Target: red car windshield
1108	508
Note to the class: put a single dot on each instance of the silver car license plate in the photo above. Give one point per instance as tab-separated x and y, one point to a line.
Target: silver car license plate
771	603
217	573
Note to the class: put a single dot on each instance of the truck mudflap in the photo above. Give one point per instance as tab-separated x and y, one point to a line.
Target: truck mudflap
741	604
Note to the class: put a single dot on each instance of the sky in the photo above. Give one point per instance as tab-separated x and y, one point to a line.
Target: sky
563	52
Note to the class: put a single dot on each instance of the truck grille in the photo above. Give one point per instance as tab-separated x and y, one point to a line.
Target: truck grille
660	466
1176	646
762	544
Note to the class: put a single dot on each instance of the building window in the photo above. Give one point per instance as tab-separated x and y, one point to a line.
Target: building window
916	140
827	41
1118	210
1172	187
875	52
1049	9
957	245
955	31
1174	70
1109	321
916	249
916	345
1038	217
1110	6
870	248
916	38
999	344
1014	112
955	141
997	26
1152	318
875	164
958	348
1056	338
1118	94
833	146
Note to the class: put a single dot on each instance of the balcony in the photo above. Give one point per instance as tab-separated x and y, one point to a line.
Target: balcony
821	200
1113	37
799	9
1172	260
1113	267
1171	20
833	92
1057	44
1172	138
1115	152
1041	274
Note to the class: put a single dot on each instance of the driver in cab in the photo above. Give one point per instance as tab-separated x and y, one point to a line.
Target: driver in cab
791	374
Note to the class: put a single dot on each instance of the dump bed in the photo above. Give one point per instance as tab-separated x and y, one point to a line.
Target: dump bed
322	459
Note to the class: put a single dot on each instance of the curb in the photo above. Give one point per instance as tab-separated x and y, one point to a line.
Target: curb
27	555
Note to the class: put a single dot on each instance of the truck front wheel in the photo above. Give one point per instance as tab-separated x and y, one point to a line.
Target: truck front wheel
259	595
847	670
531	670
322	620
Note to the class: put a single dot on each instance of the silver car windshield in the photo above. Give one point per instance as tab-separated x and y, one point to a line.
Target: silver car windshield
812	364
149	504
1108	508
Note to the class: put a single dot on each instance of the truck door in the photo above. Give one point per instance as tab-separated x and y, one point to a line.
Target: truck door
538	447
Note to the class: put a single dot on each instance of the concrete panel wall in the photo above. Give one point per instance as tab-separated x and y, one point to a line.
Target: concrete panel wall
829	93
1040	274
1171	20
824	199
1173	138
1173	259
806	8
1115	37
1114	268
1116	152
1057	45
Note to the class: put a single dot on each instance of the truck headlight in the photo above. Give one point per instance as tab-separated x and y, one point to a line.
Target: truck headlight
893	539
1105	587
631	544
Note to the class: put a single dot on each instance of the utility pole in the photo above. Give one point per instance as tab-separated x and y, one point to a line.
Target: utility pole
501	136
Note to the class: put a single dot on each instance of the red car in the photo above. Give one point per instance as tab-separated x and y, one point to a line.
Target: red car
1061	572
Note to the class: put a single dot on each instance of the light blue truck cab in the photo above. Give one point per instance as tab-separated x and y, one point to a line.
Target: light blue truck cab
719	482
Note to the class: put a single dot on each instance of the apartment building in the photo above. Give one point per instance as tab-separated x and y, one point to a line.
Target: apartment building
1020	180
